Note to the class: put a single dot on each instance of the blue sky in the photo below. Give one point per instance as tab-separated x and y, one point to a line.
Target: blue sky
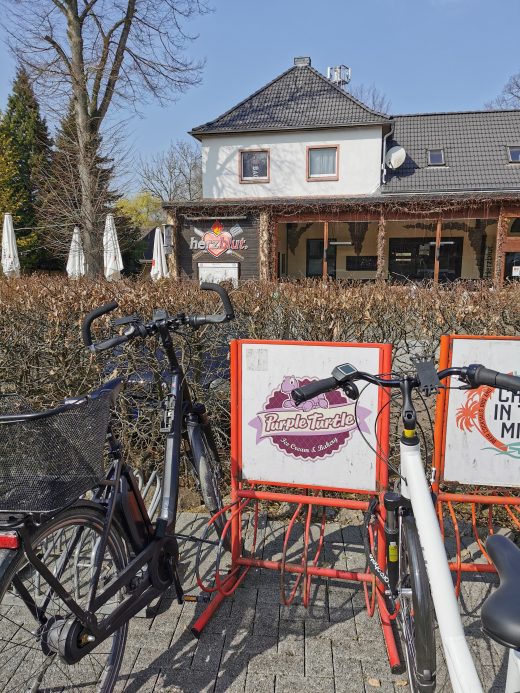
425	55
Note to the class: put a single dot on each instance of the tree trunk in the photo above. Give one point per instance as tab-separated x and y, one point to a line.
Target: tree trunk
173	258
87	150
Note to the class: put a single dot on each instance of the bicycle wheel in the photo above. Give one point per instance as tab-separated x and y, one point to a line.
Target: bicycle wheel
416	610
29	660
207	467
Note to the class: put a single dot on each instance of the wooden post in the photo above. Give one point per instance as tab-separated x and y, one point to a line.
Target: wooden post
381	246
498	275
438	235
265	271
325	249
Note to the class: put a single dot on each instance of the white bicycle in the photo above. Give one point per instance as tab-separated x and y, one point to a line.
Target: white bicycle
418	580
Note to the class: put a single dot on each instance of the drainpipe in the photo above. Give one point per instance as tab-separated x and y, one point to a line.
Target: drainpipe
383	164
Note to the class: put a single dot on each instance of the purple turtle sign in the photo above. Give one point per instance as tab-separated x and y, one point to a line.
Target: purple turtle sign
328	442
315	429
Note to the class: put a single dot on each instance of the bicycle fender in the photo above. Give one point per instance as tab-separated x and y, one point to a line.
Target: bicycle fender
7	556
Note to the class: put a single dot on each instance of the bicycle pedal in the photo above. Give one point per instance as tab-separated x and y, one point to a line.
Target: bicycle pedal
196	598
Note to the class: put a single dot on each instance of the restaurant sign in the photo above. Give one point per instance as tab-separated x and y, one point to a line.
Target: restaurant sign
218	240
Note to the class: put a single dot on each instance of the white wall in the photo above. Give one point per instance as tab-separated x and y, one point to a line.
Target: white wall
359	163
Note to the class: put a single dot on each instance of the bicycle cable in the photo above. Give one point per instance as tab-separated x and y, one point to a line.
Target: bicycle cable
382	458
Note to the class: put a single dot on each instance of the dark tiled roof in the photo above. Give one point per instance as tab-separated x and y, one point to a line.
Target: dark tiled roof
299	98
475	152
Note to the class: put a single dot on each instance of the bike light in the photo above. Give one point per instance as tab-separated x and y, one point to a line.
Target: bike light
9	540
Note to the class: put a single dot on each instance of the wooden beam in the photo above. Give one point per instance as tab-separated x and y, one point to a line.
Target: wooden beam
325	266
498	275
381	247
265	268
438	235
487	212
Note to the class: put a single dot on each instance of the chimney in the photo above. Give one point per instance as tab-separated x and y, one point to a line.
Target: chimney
302	61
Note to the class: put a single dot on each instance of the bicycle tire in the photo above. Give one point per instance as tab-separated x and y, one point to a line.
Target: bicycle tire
22	647
416	613
207	467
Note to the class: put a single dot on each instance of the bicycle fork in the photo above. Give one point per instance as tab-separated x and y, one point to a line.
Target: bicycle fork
414	486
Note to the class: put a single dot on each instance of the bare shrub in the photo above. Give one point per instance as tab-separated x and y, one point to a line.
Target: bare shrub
42	357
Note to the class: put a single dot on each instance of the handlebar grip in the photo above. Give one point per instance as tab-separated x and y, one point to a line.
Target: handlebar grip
109	343
480	375
93	315
317	387
224	297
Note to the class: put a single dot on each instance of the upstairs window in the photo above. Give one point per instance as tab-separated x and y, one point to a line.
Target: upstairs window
322	163
514	155
254	166
436	157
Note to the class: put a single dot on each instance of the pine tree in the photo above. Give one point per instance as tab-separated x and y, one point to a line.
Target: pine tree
23	125
10	199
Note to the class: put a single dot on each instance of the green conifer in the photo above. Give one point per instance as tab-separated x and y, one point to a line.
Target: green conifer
24	127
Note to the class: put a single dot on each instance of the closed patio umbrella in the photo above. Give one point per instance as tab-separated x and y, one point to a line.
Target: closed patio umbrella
159	264
113	261
76	260
10	261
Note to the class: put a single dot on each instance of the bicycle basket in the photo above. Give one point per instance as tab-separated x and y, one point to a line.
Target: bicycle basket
47	463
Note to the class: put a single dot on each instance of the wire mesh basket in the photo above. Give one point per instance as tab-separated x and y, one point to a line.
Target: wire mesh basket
47	463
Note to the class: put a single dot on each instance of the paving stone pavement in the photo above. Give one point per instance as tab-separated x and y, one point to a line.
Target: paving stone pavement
254	644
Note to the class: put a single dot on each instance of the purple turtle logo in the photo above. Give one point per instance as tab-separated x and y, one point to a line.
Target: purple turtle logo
315	429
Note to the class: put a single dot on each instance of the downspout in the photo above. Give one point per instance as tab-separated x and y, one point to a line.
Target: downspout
383	164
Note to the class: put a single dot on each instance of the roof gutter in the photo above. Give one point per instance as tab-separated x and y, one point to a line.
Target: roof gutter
299	128
443	193
383	162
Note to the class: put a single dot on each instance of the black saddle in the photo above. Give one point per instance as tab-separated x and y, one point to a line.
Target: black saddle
501	611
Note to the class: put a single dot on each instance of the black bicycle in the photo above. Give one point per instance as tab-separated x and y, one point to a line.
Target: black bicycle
79	555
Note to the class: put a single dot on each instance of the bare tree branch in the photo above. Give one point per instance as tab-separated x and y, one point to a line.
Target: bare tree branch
372	97
175	174
509	97
97	54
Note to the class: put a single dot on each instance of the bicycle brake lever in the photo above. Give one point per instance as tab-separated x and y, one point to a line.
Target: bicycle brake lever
351	391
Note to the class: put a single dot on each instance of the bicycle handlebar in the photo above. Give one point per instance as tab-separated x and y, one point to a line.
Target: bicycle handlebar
313	389
93	315
228	314
137	328
474	375
480	375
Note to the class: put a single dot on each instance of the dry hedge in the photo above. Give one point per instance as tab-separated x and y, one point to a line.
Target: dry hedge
42	357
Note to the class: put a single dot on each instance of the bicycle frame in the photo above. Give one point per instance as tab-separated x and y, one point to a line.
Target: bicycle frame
513	672
414	486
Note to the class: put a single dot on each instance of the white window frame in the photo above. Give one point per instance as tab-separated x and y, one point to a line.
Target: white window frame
322	176
509	148
436	149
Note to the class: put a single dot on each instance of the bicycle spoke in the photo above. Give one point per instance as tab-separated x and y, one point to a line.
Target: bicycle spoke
68	552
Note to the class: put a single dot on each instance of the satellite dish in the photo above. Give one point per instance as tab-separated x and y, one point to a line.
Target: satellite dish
395	157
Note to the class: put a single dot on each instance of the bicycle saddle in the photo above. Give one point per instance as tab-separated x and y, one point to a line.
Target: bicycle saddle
501	611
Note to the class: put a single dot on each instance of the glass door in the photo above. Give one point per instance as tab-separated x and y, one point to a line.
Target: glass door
512	266
414	258
314	265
